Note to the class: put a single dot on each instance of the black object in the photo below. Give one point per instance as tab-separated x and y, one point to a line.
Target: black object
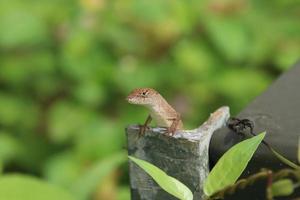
239	125
276	111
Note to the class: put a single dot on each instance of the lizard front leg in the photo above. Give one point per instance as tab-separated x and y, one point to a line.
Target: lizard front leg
175	122
145	126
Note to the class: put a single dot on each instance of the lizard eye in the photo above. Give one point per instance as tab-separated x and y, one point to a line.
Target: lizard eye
144	93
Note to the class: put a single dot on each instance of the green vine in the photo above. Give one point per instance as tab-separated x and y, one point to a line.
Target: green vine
264	174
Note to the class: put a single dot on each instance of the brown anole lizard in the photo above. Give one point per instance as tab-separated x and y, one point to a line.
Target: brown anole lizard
160	110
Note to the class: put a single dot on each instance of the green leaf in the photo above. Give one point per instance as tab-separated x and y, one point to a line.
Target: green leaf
168	183
236	31
66	120
63	168
17	186
32	30
10	147
231	165
88	182
283	187
123	193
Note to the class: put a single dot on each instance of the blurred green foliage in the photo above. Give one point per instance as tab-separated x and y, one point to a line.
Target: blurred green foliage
66	67
16	187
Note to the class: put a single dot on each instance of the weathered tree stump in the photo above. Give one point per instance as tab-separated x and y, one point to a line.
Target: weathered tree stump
183	156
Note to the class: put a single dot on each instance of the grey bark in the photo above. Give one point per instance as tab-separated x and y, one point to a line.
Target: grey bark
183	156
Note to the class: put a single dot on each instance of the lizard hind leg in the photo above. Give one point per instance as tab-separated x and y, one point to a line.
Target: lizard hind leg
174	126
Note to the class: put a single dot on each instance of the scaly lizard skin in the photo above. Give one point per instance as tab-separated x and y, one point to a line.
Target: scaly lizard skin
163	114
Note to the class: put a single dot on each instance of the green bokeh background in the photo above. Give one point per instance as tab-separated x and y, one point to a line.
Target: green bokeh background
67	66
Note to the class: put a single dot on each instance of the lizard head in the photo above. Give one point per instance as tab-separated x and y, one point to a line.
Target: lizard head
143	96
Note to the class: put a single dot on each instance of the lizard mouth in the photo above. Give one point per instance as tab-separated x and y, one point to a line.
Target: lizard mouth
129	100
132	100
